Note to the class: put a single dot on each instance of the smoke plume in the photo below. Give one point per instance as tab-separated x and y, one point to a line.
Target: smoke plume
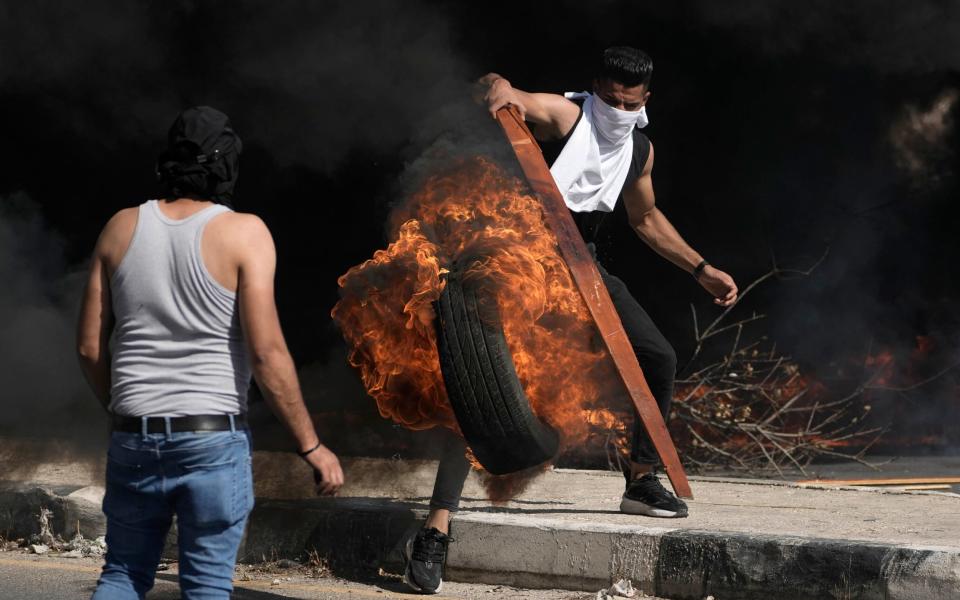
310	82
772	122
46	403
887	35
87	93
920	136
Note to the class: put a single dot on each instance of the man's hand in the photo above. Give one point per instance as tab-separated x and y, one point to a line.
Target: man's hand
496	92
720	285
325	465
553	115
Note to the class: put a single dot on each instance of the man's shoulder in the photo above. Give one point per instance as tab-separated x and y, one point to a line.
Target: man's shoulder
119	228
240	223
239	233
642	147
116	236
123	218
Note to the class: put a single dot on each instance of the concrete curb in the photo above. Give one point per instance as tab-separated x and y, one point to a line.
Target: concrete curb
364	534
523	551
73	507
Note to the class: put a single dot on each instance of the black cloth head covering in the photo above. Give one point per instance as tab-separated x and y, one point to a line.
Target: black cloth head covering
202	159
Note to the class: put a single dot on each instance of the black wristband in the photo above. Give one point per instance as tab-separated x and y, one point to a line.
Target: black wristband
306	452
699	269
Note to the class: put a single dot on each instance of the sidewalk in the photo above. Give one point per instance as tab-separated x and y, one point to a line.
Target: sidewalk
743	539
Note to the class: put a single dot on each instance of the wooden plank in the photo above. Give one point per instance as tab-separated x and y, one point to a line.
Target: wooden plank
882	481
588	281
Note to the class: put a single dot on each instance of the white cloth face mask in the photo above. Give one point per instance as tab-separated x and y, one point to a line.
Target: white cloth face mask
615	124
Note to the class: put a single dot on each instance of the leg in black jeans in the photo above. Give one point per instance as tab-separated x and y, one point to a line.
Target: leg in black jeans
656	358
451	475
427	550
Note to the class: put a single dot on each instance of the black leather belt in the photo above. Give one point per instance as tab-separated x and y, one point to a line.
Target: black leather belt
179	424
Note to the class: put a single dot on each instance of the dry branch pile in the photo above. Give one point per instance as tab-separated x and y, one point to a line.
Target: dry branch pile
753	410
749	408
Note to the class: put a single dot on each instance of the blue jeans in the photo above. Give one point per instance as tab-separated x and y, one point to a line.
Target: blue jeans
202	477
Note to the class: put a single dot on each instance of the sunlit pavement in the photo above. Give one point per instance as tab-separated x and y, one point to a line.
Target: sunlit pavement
565	529
30	577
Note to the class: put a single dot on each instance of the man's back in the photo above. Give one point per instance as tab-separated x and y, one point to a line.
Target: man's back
221	246
177	346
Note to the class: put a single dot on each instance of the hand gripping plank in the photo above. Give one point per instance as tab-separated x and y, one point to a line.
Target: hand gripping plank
588	281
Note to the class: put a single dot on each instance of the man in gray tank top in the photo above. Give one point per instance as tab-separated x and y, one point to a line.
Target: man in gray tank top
177	314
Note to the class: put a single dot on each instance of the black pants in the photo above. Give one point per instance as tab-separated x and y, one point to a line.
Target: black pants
656	358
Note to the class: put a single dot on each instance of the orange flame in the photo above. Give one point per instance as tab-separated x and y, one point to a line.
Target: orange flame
886	369
385	313
474	218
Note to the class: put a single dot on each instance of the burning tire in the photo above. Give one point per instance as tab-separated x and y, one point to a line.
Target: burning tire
482	384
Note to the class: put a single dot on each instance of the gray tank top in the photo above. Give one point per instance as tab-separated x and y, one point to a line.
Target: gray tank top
177	348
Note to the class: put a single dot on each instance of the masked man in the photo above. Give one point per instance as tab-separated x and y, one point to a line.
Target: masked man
183	290
599	156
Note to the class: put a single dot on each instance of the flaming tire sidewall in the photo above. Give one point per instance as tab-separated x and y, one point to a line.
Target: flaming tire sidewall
486	395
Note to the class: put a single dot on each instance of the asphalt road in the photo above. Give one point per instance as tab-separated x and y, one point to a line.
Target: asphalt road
30	577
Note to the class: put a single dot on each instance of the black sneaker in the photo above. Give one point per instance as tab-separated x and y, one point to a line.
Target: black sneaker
646	496
426	555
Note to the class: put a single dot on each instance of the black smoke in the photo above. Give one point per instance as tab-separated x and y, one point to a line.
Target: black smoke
772	123
326	95
48	411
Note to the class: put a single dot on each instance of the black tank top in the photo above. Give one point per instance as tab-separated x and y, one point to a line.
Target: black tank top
590	223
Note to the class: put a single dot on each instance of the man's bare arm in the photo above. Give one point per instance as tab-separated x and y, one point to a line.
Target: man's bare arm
96	309
552	112
273	366
94	326
655	229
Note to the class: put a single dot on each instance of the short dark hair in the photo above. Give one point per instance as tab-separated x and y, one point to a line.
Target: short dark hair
626	65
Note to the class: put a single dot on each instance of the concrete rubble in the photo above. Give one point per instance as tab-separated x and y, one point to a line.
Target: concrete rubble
80	546
744	538
619	591
38	548
45	540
